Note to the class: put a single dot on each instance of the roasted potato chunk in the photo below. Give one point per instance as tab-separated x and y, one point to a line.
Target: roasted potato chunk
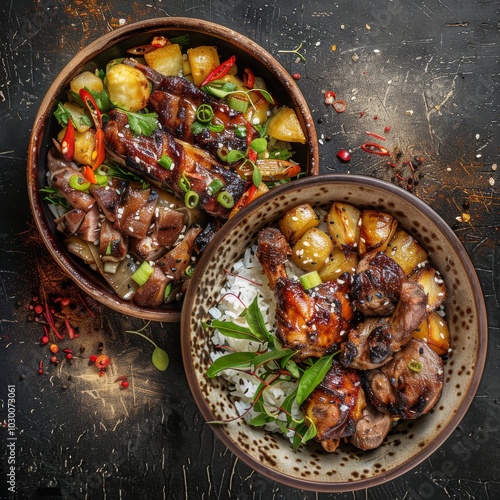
84	145
128	88
406	251
343	225
433	285
377	229
166	60
87	80
202	61
341	261
285	126
435	332
297	221
312	250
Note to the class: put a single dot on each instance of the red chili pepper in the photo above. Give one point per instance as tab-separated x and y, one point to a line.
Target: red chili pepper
339	106
248	78
296	76
100	150
89	175
245	199
159	41
249	134
374	148
91	105
344	155
220	71
252	154
68	142
330	97
377	136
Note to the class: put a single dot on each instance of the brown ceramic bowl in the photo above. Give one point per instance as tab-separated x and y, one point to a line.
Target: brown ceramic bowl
96	55
411	441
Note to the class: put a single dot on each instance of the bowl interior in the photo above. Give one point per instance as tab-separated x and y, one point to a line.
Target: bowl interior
95	56
411	441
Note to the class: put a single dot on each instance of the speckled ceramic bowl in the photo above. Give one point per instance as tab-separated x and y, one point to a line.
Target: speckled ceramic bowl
411	441
96	55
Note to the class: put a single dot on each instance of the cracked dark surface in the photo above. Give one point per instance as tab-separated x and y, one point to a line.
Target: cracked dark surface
429	71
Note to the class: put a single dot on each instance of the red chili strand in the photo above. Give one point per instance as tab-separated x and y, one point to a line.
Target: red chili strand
86	306
377	136
374	148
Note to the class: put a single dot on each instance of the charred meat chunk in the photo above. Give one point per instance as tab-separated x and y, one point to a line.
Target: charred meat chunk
410	384
335	405
376	285
371	429
374	340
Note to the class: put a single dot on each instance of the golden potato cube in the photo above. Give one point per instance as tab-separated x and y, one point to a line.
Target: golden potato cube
312	250
406	251
128	88
433	285
294	223
202	60
87	80
343	225
84	145
435	332
285	126
377	229
166	60
341	261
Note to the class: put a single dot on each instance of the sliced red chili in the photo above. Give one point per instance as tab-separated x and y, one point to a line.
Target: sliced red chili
339	105
245	199
89	175
99	151
68	142
248	78
220	71
91	105
252	154
377	136
159	41
374	148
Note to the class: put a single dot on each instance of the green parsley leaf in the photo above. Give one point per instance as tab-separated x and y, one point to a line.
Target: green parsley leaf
141	123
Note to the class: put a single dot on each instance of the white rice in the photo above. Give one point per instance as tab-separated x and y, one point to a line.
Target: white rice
246	281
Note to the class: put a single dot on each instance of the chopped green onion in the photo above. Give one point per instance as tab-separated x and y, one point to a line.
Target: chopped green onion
415	366
240	131
144	271
189	271
225	199
78	183
238	104
310	280
101	179
204	113
216	127
215	186
168	291
191	199
108	249
184	183
166	162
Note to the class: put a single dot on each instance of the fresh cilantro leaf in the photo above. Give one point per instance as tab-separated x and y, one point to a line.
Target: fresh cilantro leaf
141	123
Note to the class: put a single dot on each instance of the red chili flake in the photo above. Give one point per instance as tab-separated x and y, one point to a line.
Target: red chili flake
70	329
39	309
53	359
374	148
377	136
124	384
344	155
296	76
375	117
40	368
50	320
387	129
361	114
120	378
44	340
330	97
92	358
69	355
339	106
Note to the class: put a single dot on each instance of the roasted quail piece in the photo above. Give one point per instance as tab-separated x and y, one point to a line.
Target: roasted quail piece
376	285
371	429
373	342
336	405
410	384
191	166
176	99
312	322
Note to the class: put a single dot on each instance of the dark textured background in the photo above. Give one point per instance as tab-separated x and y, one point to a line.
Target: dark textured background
79	436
